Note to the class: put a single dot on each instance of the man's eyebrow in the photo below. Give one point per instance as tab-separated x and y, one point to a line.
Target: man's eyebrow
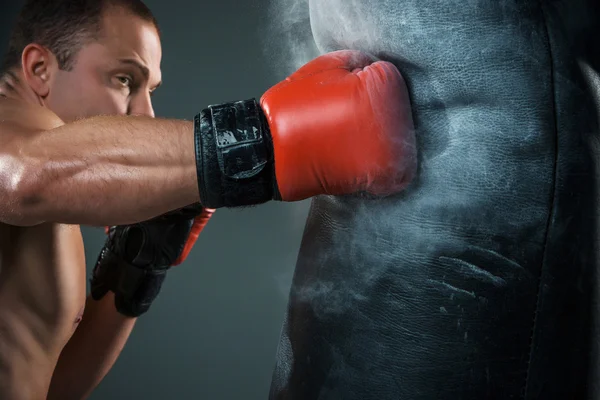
143	69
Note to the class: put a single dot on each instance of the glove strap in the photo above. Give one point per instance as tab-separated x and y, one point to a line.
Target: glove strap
234	155
135	288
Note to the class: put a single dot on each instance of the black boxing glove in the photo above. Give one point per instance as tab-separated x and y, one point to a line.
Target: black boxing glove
135	258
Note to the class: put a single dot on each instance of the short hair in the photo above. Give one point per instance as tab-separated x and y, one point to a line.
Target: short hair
64	27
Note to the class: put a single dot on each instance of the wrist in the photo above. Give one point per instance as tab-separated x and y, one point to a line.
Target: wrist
234	155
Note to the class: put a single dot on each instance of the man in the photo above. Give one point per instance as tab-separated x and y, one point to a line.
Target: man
79	145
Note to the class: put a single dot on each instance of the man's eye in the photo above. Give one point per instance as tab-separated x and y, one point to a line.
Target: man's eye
124	80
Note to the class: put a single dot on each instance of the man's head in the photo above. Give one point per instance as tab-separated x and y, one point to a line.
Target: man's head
87	57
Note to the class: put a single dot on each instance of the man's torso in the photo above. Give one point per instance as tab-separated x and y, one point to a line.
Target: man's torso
42	278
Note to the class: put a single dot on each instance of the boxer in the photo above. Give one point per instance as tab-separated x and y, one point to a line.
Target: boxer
79	144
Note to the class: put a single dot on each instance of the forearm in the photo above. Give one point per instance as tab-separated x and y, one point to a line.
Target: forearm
92	351
108	171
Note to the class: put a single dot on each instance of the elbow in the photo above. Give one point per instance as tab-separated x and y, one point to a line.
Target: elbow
21	202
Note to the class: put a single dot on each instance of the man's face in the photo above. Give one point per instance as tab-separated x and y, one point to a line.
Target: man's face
115	75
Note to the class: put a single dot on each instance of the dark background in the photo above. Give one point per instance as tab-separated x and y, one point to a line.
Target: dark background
213	332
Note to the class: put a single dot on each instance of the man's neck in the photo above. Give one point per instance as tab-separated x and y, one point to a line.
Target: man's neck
13	86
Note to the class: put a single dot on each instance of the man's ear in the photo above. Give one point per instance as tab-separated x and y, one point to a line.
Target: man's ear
38	63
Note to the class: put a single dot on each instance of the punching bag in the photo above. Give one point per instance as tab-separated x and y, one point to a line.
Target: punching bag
480	280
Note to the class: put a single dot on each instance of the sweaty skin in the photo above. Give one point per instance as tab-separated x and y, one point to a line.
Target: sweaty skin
78	147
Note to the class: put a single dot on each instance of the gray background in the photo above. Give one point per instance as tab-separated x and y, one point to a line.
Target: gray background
213	332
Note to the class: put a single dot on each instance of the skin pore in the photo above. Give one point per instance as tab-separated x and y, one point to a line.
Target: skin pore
78	147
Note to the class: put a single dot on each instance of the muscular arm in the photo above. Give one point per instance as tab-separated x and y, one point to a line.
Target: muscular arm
91	351
99	171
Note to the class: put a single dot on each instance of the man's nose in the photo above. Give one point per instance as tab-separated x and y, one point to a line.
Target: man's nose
142	106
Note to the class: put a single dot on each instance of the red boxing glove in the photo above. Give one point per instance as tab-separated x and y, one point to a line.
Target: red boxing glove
135	258
341	124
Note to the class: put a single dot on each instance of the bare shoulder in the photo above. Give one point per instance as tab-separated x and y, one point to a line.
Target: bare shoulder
20	122
21	118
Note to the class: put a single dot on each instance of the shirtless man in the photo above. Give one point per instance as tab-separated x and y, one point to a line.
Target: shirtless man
79	144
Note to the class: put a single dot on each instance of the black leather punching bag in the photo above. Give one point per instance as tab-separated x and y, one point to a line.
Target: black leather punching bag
480	280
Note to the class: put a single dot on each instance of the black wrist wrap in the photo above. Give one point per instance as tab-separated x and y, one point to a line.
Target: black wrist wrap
234	155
